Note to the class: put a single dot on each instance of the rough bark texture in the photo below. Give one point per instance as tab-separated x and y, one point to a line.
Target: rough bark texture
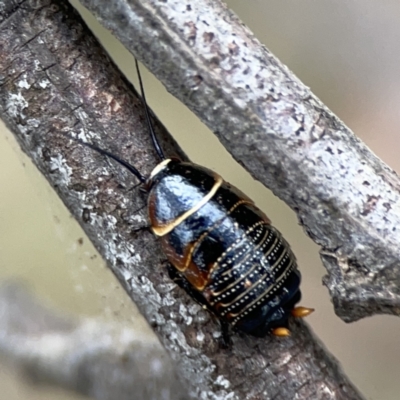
55	81
88	356
345	197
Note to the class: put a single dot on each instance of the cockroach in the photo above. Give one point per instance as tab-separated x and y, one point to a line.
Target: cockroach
223	249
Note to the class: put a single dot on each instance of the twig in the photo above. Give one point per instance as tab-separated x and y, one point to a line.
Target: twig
88	356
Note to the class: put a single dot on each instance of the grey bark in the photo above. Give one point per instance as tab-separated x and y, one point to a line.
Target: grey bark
55	80
106	362
347	199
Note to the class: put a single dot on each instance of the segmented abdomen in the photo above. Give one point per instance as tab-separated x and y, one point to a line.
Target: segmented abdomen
249	273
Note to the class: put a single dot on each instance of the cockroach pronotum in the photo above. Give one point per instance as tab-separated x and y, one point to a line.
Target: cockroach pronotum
224	251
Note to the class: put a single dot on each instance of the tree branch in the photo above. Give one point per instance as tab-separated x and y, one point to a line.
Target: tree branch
87	356
345	197
56	81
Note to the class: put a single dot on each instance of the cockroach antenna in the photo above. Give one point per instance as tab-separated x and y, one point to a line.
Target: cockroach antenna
156	145
120	161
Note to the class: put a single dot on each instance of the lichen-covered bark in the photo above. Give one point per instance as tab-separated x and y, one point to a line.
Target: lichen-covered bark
346	198
56	81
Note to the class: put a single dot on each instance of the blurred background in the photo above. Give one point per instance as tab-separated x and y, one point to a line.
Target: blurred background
348	53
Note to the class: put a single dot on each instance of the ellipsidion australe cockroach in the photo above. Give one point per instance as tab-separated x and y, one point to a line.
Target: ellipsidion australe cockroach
224	251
